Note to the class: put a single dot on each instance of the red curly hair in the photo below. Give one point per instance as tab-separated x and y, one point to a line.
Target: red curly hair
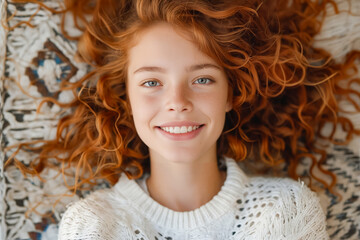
284	90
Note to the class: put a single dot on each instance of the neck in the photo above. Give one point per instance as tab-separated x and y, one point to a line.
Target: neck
184	186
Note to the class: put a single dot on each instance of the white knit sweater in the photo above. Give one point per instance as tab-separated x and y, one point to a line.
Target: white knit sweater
245	208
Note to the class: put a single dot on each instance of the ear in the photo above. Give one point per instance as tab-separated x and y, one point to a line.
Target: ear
228	107
229	104
128	105
127	100
130	109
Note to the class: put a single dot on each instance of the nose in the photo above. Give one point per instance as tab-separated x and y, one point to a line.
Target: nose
179	99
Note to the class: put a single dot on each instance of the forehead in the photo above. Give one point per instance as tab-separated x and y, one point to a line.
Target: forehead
162	44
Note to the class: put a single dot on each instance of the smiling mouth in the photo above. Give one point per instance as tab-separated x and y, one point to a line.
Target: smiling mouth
181	129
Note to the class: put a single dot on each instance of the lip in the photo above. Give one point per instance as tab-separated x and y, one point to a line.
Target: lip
180	136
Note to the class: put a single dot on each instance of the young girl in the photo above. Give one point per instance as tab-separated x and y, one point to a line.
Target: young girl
181	91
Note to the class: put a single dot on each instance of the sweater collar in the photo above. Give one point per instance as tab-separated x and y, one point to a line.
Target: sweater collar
162	216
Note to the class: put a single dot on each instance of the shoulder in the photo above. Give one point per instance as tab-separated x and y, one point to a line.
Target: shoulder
284	192
280	186
289	206
98	216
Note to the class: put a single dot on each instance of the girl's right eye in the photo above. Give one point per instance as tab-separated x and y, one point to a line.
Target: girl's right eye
151	83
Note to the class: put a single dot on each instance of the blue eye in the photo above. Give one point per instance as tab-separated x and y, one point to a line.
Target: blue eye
151	84
203	81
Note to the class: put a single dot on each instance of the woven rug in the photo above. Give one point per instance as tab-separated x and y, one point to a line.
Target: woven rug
35	57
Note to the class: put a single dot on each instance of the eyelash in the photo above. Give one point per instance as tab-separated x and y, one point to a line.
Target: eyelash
152	81
146	84
208	80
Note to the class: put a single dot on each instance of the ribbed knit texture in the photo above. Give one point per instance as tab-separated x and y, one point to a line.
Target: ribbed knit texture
245	208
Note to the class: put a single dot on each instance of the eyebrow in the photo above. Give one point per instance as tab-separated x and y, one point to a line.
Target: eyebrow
189	69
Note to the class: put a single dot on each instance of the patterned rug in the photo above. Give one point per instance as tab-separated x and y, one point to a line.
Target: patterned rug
35	57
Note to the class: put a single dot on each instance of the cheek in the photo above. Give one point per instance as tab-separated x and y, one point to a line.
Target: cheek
214	103
143	109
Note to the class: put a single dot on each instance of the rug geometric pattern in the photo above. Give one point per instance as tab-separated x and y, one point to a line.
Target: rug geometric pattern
35	57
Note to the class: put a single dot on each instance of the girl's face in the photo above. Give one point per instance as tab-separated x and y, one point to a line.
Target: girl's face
178	96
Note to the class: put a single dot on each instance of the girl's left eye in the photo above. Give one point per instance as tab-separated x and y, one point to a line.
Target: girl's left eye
203	81
151	84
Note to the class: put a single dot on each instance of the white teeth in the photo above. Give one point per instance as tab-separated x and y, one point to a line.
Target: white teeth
177	130
182	129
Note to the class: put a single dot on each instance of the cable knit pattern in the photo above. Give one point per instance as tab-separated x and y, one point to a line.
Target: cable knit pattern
245	208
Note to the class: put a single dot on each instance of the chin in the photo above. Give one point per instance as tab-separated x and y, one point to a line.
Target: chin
181	156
